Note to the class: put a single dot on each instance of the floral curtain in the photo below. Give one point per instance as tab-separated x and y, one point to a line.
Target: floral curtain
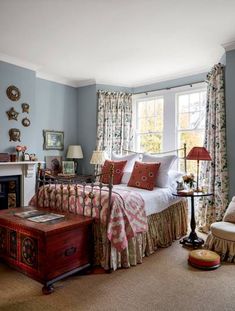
215	172
114	128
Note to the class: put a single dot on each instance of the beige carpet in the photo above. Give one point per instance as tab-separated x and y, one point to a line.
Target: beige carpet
164	282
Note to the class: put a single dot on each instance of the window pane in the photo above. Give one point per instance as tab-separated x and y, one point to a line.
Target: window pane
150	142
192	139
149	117
183	102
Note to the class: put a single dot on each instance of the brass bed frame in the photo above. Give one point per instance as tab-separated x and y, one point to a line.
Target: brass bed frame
46	182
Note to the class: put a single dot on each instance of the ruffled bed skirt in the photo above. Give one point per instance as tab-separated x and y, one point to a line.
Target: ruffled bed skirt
163	228
225	248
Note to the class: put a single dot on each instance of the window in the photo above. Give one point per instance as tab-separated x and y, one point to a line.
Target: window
149	124
165	120
191	113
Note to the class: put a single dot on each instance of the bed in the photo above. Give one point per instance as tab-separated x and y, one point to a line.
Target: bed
129	223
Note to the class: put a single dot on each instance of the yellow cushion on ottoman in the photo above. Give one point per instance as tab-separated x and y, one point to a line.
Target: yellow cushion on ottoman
204	259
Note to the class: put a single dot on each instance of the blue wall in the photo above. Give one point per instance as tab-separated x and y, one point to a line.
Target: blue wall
25	80
86	120
52	106
230	114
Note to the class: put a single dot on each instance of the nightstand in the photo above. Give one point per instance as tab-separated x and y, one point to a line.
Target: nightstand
192	239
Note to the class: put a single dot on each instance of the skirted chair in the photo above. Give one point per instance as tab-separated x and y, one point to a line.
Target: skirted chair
221	238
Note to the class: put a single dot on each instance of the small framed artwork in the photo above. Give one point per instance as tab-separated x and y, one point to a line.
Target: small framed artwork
54	163
26	157
53	140
68	167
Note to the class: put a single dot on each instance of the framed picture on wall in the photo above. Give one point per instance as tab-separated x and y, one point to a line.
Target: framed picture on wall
68	167
53	140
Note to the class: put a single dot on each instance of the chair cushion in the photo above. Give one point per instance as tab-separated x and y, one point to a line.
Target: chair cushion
204	259
230	212
223	230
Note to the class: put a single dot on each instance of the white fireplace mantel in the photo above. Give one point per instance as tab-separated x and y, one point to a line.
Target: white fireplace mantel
27	171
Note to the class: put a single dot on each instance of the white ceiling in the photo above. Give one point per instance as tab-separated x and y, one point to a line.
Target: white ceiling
120	42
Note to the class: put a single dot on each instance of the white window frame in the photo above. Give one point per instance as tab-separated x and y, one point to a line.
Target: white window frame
170	112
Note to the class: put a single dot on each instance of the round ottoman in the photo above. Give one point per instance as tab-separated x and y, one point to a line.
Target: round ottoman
204	259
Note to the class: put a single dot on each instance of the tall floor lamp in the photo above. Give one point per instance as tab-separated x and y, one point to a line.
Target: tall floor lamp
198	154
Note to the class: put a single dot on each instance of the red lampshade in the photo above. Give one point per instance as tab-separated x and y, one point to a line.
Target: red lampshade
198	153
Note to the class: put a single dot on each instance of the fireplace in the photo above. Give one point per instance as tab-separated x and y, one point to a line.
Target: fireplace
9	192
23	175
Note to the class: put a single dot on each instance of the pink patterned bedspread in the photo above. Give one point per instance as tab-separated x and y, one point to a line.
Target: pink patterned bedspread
127	214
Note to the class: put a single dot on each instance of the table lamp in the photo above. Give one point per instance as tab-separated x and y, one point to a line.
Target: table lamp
98	157
198	154
75	152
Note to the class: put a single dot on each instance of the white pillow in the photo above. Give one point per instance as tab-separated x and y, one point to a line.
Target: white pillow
126	177
130	158
162	179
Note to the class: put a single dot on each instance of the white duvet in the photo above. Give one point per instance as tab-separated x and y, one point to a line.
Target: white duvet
156	200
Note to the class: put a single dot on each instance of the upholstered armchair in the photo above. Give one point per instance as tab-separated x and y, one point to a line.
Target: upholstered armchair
221	238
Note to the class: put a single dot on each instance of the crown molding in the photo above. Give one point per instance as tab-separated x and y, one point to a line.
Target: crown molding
18	62
55	78
86	82
75	83
229	46
174	76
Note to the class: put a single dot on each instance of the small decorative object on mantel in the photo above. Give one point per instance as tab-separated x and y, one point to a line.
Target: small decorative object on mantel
25	107
12	114
13	93
26	156
4	157
18	150
32	157
14	134
21	149
26	122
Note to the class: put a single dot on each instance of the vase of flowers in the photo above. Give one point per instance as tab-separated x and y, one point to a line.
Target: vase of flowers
18	151
189	181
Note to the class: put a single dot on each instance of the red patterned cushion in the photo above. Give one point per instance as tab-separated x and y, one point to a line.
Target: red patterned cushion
118	171
144	175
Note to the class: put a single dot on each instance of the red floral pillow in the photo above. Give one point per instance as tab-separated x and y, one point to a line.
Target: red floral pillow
144	175
118	171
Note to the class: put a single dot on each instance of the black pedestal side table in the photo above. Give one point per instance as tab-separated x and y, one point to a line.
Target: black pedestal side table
192	240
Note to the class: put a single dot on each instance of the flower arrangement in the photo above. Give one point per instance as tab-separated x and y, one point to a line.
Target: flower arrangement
189	180
20	149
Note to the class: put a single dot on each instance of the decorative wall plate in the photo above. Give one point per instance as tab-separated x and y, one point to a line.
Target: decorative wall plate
26	122
25	107
12	114
14	134
13	93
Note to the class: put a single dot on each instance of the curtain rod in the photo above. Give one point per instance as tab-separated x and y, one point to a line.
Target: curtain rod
168	88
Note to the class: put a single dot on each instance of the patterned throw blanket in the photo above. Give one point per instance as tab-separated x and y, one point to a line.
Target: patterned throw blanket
127	213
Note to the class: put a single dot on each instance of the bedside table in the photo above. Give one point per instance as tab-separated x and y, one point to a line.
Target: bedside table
192	239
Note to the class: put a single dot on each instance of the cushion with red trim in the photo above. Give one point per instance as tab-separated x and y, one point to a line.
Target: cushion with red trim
117	174
144	175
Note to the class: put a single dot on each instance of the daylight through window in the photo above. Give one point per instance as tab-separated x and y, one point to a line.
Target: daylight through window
165	120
